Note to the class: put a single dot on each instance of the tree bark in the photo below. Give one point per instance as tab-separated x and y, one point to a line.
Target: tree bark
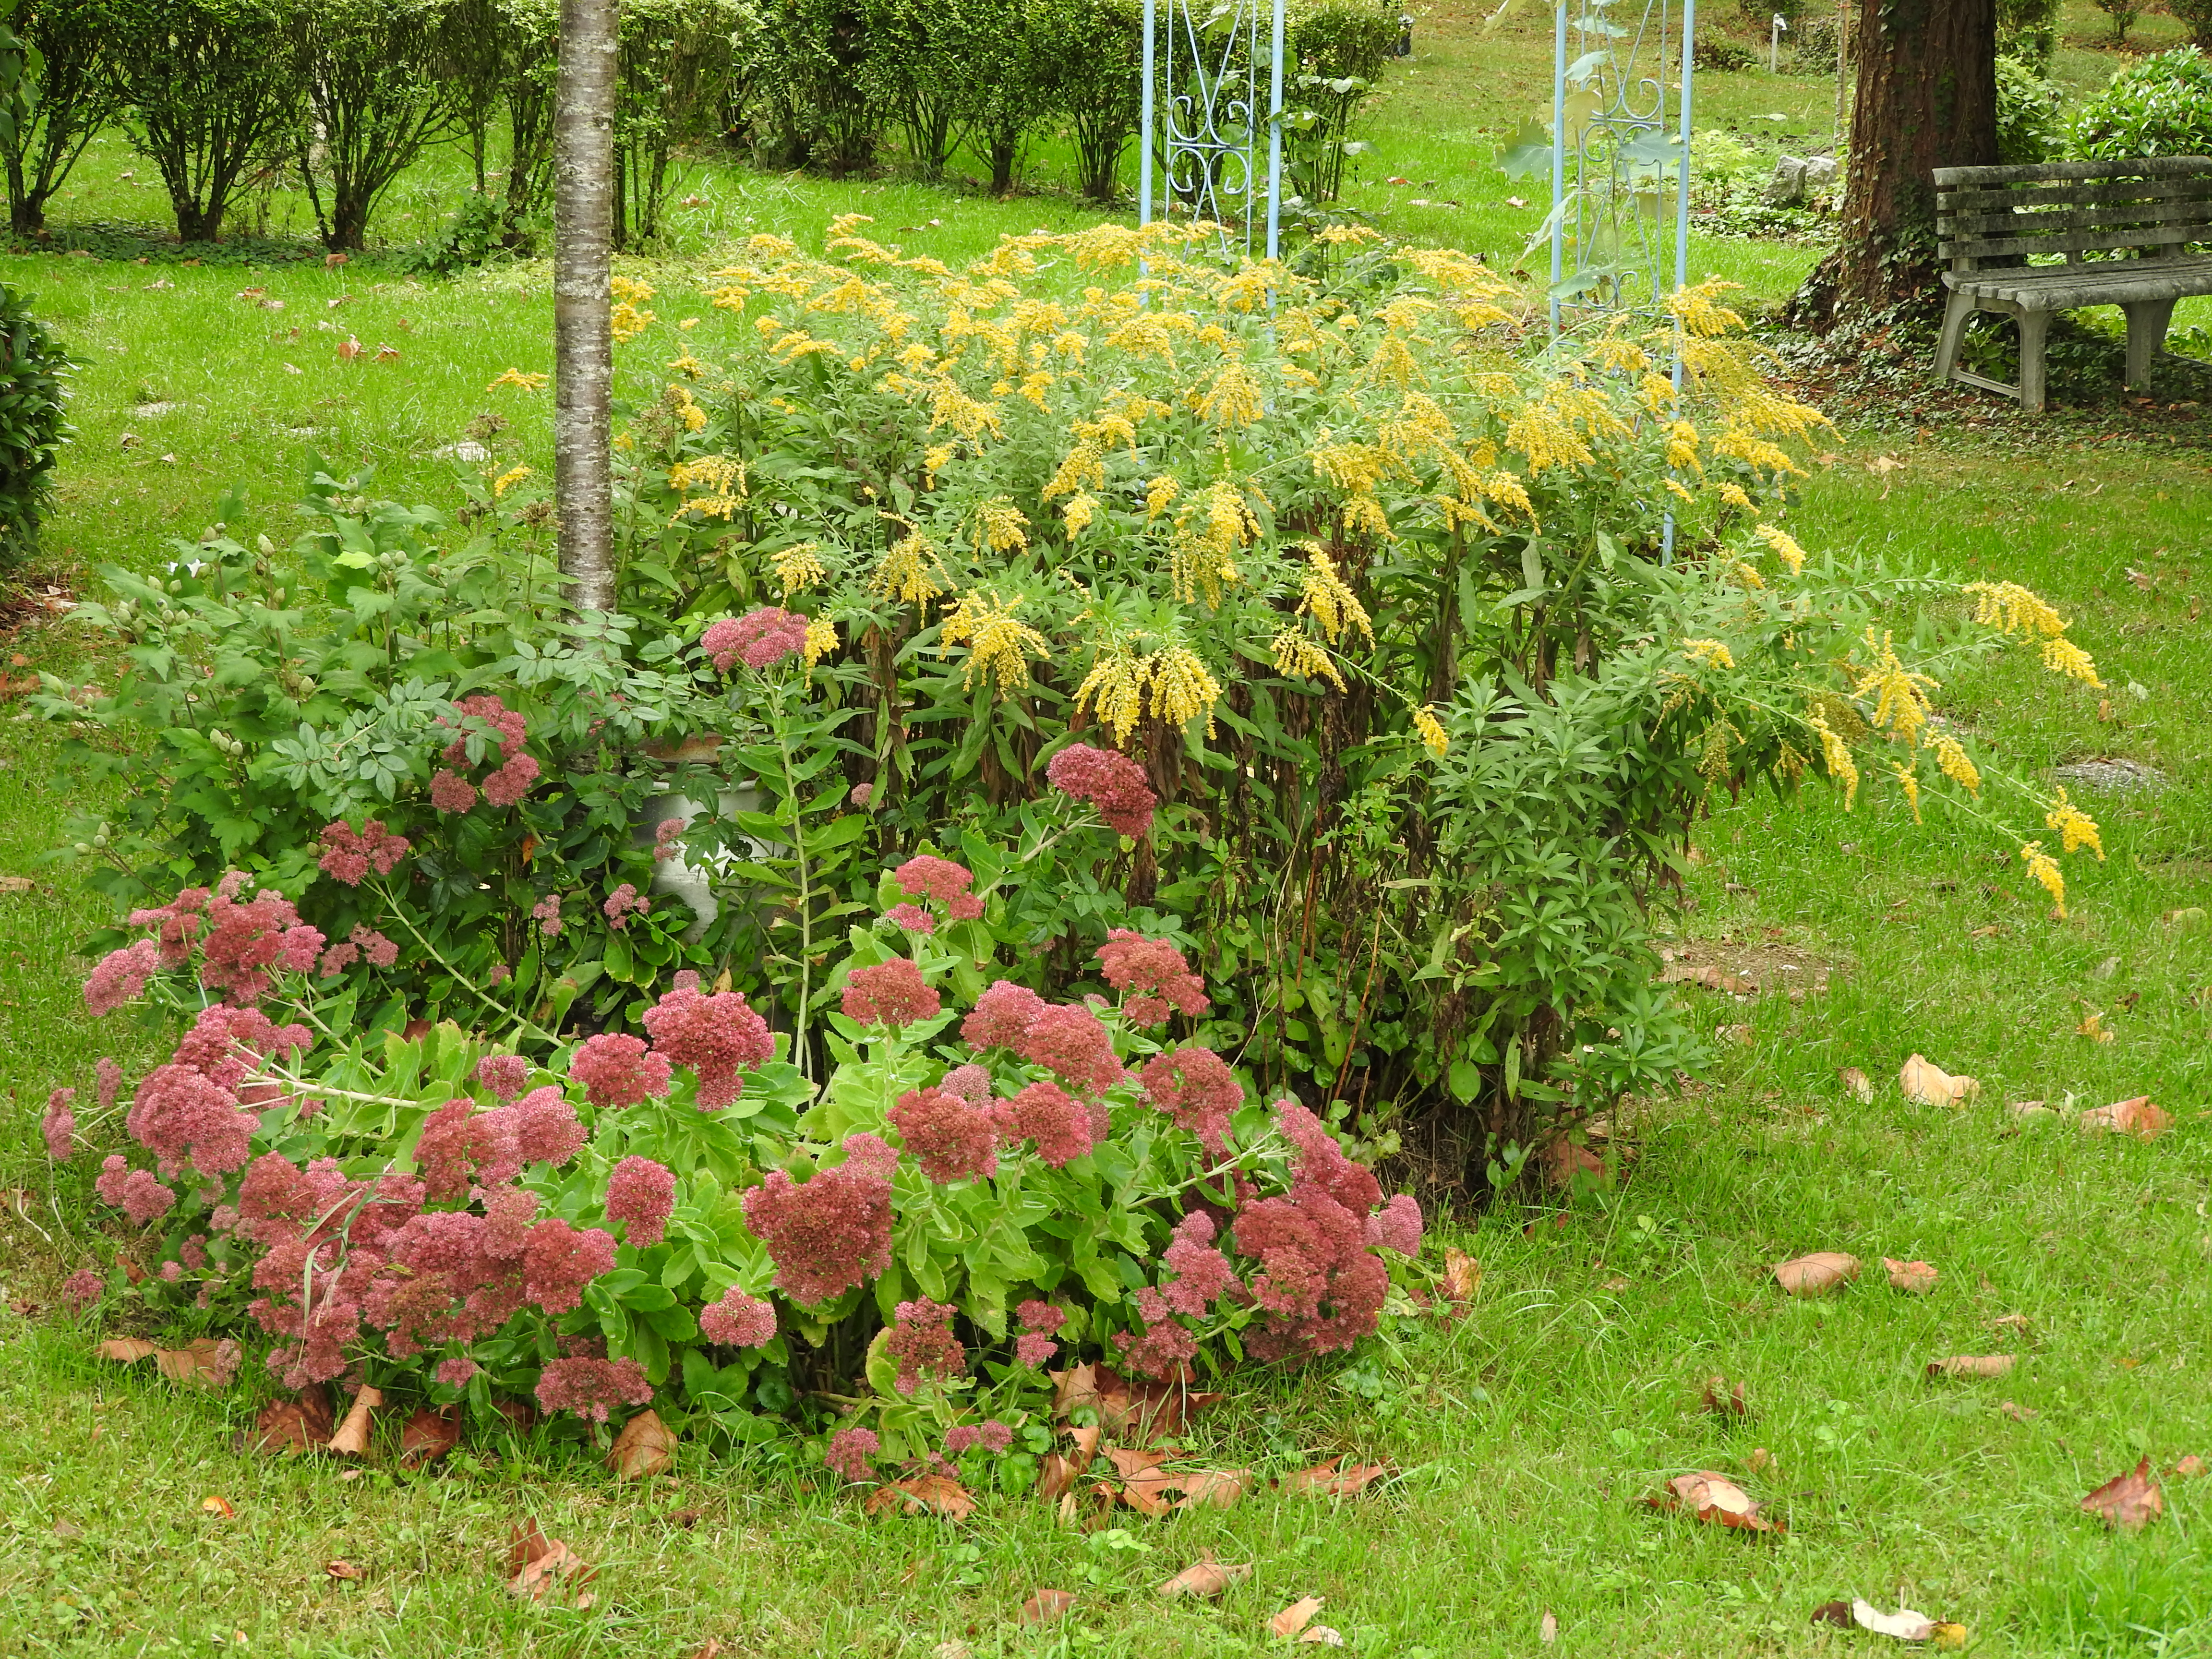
583	343
1927	99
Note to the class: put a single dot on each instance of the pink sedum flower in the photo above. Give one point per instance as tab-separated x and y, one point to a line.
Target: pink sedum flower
922	1343
1039	1320
618	1071
1154	975
454	1373
504	1075
738	1320
133	1192
590	1388
82	1288
1073	1043
926	876
911	917
452	792
759	639
121	978
1397	1225
952	1139
349	855
894	993
833	1232
622	904
1061	1126
506	786
718	1038
1112	783
1002	1016
1194	1086
58	1126
641	1194
1202	1274
849	1451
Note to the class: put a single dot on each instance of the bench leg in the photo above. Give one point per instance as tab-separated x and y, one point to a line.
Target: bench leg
1955	332
2034	330
2146	324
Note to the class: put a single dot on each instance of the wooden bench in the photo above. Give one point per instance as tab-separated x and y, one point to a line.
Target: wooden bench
2141	217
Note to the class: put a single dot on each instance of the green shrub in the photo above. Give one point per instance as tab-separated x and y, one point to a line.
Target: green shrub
2028	30
213	90
2158	106
32	424
2030	128
374	100
2194	16
72	100
824	109
1090	45
678	58
2123	14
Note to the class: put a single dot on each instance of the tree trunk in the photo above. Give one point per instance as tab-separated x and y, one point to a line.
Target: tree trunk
1927	99
583	345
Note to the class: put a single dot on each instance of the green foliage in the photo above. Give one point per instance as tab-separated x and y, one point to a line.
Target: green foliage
2196	16
1090	45
212	92
374	100
2028	30
2123	14
32	424
679	62
2030	127
67	99
823	110
2158	106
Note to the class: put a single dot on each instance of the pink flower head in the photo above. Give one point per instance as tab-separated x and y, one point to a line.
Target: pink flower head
991	1436
349	855
58	1126
242	945
590	1387
622	904
460	1146
546	1129
1203	1275
82	1288
911	917
1319	1284
718	1038
546	912
666	838
618	1070
963	907
456	1372
1039	1320
1165	1345
110	1081
184	1116
894	995
738	1320
1072	1042
1152	972
121	976
952	1137
496	723
509	784
1002	1016
503	1074
1397	1225
452	792
641	1194
559	1260
833	1232
922	1343
849	1452
1321	1163
928	877
759	639
860	794
1047	1114
1194	1086
133	1192
971	1082
1111	783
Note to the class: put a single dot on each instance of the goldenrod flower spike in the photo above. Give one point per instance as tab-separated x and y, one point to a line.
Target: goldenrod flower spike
1908	781
2075	828
798	566
1955	765
1431	730
2045	869
508	480
999	642
1708	653
1838	754
1298	657
1785	546
515	377
1901	703
821	639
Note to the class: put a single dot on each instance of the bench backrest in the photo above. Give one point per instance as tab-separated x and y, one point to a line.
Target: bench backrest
2155	205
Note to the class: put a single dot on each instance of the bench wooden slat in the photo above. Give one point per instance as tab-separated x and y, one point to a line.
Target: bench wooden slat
2048	219
2148	166
2061	287
2166	236
2072	195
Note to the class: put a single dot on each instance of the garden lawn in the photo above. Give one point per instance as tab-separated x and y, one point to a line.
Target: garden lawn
1525	1433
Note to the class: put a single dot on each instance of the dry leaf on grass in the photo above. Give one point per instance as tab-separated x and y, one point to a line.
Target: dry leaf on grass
1979	1365
1904	1625
1927	1083
126	1350
1320	1636
2130	1501
644	1447
428	1436
2136	1117
1816	1274
216	1504
1046	1606
1206	1579
1857	1085
2190	1467
541	1569
1328	1479
1057	1475
351	1438
1294	1618
1713	1496
2093	1027
344	1570
1762	1461
1948	1637
1917	1277
1547	1630
1136	1410
1724	1400
290	1426
1837	1613
204	1360
924	1494
1462	1280
2018	1413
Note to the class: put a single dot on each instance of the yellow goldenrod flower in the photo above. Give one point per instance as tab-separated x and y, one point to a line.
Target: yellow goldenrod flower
686	364
910	571
2075	828
1908	781
1838	754
626	322
998	643
1699	311
2045	869
1160	495
934	459
1682	446
508	480
798	566
2011	608
1432	730
1081	508
1001	527
1953	761
1234	400
1785	546
1708	653
2062	656
1298	657
713	486
821	639
1327	600
1901	697
629	291
1733	495
515	377
1115	690
1181	689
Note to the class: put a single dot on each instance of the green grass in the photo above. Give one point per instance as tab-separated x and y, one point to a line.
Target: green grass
1526	1433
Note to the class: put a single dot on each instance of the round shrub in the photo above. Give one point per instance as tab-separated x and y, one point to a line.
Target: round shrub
2161	106
32	424
2028	126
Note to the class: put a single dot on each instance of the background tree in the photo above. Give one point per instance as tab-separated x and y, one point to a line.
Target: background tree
1927	99
583	344
62	106
374	100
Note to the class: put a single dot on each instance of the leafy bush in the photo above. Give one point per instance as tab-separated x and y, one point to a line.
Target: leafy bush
691	1222
2123	14
72	100
2030	128
374	100
2157	106
678	61
2028	30
32	424
2194	16
1093	43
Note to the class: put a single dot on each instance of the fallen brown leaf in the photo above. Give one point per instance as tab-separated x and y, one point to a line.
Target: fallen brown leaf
344	1570
2093	1027
1327	1480
1928	1084
1905	1624
1046	1606
290	1426
541	1568
1294	1618
1724	1400
2190	1467
1462	1279
1562	1159
2018	1413
126	1350
1320	1636
2130	1501
216	1504
1762	1461
1057	1475
923	1494
1713	1496
351	1438
2136	1117
1547	1628
1816	1274
1134	1411
644	1448
429	1435
1206	1579
1985	1364
1857	1085
1837	1613
1917	1277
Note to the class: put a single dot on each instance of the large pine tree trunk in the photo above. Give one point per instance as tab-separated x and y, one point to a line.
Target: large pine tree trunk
583	345
1927	99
